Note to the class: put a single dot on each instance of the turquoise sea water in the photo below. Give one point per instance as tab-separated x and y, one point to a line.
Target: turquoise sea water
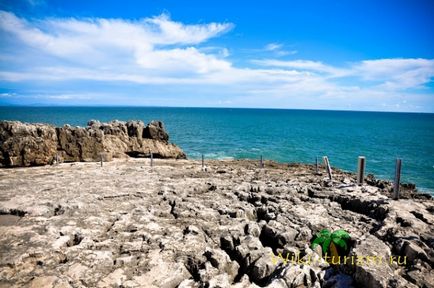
281	135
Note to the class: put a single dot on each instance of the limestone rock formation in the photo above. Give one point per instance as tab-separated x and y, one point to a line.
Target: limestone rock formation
23	144
175	225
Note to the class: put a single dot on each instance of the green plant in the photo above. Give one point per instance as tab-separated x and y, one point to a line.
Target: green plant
336	241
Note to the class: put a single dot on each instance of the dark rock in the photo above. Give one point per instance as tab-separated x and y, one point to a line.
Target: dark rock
155	130
135	128
262	268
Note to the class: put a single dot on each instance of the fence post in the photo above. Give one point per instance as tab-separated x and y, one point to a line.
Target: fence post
152	159
100	156
203	162
327	164
397	179
316	165
361	170
261	163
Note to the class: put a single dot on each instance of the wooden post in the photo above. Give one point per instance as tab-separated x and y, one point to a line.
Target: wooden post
261	163
100	156
361	170
316	165
327	164
397	179
203	163
152	159
57	159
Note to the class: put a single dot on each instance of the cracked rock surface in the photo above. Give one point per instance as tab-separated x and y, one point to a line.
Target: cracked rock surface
177	225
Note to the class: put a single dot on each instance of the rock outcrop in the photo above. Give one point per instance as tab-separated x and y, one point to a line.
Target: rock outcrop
175	225
23	144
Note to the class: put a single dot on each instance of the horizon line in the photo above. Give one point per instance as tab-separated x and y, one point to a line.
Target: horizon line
200	107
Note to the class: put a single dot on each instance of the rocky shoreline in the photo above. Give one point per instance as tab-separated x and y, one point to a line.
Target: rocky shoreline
127	224
24	144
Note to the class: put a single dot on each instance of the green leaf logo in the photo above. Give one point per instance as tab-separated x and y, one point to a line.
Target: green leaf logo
334	242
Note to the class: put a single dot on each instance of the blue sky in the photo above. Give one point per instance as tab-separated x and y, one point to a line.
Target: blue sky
343	55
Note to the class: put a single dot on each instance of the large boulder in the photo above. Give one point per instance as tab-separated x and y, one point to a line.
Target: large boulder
26	145
23	144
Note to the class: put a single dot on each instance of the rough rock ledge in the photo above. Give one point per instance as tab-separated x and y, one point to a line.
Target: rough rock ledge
127	224
23	144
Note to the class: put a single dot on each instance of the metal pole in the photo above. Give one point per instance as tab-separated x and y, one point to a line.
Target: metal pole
261	163
152	159
203	162
100	155
316	165
327	164
361	170
397	179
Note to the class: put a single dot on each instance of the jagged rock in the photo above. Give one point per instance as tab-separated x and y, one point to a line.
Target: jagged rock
413	251
422	277
129	226
263	267
24	144
252	228
378	273
221	261
162	273
249	250
296	276
77	144
135	129
155	130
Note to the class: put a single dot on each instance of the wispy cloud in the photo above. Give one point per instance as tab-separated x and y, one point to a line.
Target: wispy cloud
279	50
397	73
303	65
170	56
273	46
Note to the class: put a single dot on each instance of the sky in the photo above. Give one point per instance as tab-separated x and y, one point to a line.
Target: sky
335	55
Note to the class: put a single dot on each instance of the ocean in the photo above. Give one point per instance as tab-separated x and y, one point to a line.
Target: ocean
280	135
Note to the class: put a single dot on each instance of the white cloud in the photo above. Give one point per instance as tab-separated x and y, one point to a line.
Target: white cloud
303	65
278	50
388	73
396	73
7	95
100	41
273	46
160	51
